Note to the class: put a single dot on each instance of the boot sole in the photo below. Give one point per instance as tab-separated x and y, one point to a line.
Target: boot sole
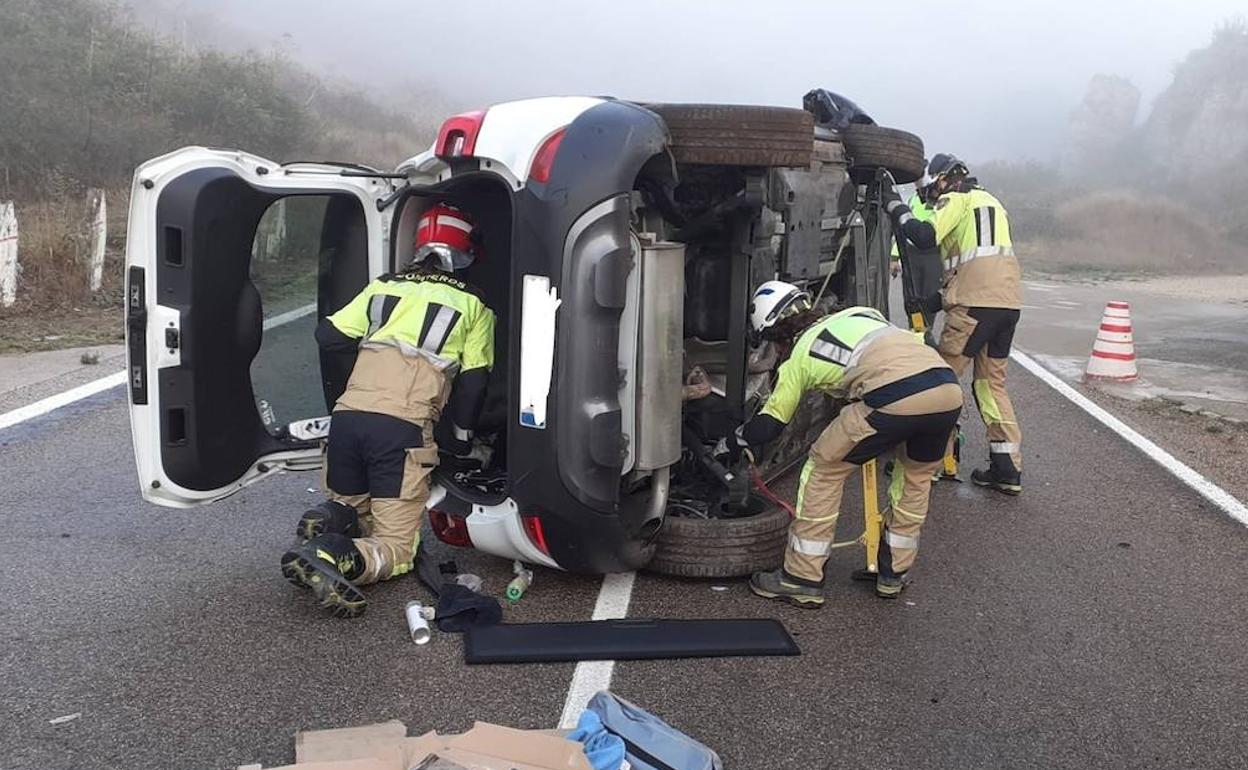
805	602
336	595
309	528
1012	490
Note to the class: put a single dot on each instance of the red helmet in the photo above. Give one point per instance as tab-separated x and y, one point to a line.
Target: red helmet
445	232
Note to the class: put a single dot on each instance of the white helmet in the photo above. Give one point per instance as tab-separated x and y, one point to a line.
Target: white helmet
773	301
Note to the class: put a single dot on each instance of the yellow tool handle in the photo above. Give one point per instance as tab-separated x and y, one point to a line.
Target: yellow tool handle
872	520
917	323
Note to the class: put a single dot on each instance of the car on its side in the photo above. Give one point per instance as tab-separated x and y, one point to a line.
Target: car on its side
622	242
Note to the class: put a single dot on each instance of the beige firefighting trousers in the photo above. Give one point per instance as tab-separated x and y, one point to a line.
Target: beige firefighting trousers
1004	435
823	479
391	525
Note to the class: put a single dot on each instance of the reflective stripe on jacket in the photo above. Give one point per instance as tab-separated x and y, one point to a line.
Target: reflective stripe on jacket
416	332
973	232
849	355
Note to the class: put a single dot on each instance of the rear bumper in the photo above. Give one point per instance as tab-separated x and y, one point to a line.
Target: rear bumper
495	529
580	539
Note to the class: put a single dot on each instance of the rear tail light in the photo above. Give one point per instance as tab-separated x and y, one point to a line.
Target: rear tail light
458	136
539	169
450	529
533	528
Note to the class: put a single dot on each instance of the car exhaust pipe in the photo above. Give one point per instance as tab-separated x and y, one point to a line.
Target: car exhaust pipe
660	486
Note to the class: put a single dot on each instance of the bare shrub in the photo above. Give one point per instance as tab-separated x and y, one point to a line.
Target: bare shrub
1122	230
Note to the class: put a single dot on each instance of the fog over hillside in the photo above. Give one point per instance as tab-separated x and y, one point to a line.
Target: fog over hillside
977	77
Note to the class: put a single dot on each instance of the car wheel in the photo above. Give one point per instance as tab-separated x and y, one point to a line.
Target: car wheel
871	147
719	548
737	135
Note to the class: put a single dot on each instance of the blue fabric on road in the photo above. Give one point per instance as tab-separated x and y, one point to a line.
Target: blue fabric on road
604	750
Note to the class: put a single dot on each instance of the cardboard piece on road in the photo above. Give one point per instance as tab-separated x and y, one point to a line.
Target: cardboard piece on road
348	742
492	746
346	764
386	746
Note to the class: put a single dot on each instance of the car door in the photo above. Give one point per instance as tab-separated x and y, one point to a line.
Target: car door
196	320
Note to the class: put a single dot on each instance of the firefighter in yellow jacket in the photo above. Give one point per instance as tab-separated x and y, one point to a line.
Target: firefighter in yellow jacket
901	394
981	297
416	332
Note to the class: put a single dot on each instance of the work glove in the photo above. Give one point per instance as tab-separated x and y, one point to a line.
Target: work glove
467	455
726	452
731	448
933	304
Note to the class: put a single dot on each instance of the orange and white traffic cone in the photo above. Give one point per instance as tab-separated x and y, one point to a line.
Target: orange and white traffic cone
1113	352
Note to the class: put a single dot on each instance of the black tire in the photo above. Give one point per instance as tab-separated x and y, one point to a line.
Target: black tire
872	147
720	548
737	135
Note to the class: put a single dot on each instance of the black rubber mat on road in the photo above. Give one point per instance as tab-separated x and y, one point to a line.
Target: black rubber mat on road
626	640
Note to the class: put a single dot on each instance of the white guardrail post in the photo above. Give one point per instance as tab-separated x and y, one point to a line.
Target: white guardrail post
98	239
8	254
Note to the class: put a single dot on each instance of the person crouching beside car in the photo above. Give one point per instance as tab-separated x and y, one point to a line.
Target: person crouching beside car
414	334
901	394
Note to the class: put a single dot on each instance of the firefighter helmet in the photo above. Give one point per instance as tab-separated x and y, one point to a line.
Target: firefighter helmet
446	233
944	164
775	301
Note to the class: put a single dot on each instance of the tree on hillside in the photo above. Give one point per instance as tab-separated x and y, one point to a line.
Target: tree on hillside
90	96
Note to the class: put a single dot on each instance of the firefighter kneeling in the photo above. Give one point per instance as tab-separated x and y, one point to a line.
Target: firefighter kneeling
901	394
415	333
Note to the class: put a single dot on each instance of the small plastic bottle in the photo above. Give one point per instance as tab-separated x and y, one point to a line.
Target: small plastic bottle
520	583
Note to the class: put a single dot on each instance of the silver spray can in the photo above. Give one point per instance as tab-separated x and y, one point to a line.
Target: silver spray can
418	622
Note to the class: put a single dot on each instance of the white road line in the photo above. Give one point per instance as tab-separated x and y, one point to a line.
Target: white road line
1203	486
594	675
1068	303
65	398
1041	286
288	316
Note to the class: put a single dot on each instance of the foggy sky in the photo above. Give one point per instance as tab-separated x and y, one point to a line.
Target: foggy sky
982	79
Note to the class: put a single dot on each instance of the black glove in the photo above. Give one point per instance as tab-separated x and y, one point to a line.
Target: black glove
727	452
455	447
933	304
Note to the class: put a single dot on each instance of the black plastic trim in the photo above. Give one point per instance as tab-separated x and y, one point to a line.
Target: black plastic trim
626	640
136	334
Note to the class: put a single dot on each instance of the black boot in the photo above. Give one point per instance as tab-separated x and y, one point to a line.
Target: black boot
888	583
329	517
886	586
780	585
327	564
1000	475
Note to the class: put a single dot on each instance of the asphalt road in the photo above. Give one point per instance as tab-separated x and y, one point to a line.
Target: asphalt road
1190	350
1097	621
